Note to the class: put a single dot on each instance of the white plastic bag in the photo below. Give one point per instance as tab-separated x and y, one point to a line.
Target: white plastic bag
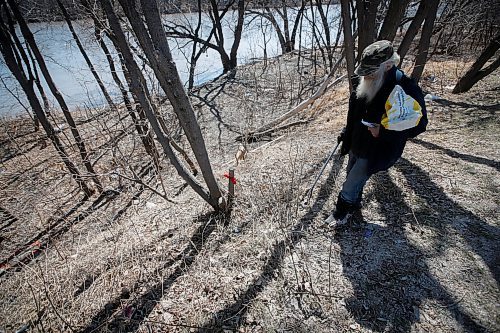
402	111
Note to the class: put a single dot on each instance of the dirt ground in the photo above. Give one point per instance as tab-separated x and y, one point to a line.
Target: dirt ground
422	255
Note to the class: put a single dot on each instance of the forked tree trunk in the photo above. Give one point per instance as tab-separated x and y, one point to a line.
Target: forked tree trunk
7	49
139	87
425	40
296	24
155	45
286	37
475	72
233	55
229	61
28	36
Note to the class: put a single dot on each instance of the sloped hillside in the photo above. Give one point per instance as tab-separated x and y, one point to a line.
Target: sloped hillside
421	256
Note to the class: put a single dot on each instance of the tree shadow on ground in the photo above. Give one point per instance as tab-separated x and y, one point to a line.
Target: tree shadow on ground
389	275
111	318
446	102
233	316
454	154
482	237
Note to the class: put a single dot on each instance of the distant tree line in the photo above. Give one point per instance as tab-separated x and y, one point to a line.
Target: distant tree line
48	10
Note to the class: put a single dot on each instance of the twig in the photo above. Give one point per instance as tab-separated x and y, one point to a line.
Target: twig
139	181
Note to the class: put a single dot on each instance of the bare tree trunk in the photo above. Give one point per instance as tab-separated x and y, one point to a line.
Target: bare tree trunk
7	48
195	54
139	87
367	16
348	39
139	123
167	75
24	57
392	18
425	40
286	37
296	23
475	72
219	35
326	27
237	35
41	63
279	32
46	104
413	28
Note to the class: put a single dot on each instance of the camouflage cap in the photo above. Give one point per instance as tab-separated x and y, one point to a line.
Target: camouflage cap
373	56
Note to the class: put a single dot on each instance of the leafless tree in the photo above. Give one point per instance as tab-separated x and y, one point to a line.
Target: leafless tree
28	36
319	22
367	22
101	85
414	27
134	111
11	57
348	38
152	39
217	16
476	72
280	20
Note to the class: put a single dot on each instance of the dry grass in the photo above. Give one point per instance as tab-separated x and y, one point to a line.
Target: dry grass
422	255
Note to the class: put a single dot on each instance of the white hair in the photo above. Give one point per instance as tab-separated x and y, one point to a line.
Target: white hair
393	60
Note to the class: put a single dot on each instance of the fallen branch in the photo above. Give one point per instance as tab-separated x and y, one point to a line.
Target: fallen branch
138	180
256	136
323	87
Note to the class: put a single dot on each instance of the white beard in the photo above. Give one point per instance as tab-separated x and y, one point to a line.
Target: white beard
369	87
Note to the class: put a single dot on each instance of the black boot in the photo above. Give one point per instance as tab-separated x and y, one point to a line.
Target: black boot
357	204
343	211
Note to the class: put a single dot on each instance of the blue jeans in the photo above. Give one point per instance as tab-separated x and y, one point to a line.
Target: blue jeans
357	176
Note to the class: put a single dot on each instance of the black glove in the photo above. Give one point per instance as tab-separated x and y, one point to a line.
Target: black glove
344	149
341	136
346	142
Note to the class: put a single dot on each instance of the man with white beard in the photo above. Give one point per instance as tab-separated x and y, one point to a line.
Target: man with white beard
370	137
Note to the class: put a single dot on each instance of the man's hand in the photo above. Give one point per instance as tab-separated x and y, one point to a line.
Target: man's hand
341	136
375	130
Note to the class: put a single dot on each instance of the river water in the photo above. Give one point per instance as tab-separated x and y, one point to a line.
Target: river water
75	81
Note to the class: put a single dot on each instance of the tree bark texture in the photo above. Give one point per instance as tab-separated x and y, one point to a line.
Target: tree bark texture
475	72
392	18
414	27
425	40
348	39
367	23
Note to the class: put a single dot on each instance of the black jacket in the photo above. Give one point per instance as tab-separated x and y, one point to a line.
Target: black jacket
384	151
